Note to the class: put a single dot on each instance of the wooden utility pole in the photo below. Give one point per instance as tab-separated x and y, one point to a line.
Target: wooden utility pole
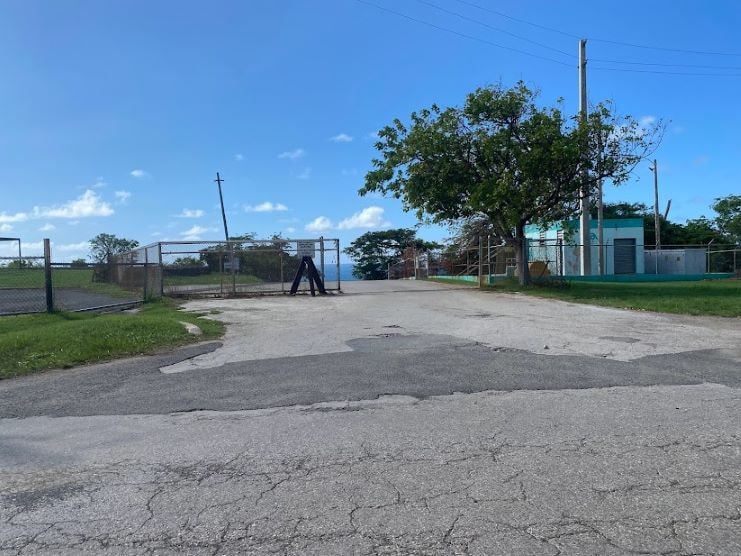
586	249
218	180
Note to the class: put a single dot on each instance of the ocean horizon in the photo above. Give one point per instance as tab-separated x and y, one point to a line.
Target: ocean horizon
330	272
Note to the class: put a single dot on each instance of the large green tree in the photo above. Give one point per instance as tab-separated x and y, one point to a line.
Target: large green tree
504	157
729	216
105	246
374	251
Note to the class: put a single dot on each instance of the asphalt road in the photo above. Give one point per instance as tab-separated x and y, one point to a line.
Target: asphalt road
401	419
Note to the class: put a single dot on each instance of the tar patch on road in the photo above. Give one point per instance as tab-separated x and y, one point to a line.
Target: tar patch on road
419	366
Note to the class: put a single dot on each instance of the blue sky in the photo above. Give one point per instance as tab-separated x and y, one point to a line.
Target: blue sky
116	115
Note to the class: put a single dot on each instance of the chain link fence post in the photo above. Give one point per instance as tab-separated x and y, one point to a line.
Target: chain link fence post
47	277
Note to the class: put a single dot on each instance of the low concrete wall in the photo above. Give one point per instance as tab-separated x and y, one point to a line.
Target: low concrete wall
625	278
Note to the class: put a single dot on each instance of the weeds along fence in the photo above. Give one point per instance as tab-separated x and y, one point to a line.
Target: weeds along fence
226	269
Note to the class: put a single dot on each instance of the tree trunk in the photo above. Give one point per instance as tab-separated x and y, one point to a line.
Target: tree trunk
521	256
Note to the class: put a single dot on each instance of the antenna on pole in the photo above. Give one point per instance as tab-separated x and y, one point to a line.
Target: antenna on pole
218	180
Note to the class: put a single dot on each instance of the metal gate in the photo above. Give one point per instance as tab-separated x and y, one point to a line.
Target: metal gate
625	256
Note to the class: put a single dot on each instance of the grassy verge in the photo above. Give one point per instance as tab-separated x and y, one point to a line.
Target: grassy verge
211	278
74	278
708	297
30	343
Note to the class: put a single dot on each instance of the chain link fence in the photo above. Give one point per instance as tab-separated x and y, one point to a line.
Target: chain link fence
36	285
227	269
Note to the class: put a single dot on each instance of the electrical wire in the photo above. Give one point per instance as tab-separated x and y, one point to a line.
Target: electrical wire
476	21
699	66
526	53
543	27
667	72
464	35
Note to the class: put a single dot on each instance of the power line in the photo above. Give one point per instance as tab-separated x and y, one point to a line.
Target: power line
593	39
597	68
473	20
665	49
464	35
551	29
700	66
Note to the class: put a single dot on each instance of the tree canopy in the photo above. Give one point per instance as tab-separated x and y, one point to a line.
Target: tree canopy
374	251
503	157
105	246
729	216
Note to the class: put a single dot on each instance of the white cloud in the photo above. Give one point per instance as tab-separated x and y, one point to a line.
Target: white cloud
319	224
295	154
100	183
28	249
195	233
17	217
290	229
341	138
349	172
646	121
6	228
122	196
139	174
87	204
373	136
188	213
238	157
82	246
371	217
305	174
47	227
267	206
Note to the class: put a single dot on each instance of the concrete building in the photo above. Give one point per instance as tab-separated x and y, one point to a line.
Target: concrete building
558	247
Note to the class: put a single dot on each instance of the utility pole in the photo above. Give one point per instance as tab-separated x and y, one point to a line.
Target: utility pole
586	250
657	222
600	215
218	180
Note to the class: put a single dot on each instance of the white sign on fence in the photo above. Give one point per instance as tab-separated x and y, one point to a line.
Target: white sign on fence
306	248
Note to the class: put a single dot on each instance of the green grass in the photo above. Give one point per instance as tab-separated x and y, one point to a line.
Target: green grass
30	343
211	278
708	297
77	278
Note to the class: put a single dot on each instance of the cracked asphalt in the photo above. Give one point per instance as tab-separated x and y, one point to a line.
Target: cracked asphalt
401	419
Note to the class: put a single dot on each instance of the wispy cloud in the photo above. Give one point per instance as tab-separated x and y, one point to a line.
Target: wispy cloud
100	183
140	174
6	228
74	247
305	174
295	154
122	197
290	230
319	224
373	136
195	233
368	218
701	160
86	205
239	157
17	217
267	206
47	227
341	138
189	213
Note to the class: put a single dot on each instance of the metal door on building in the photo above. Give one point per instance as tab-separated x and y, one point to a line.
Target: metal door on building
625	256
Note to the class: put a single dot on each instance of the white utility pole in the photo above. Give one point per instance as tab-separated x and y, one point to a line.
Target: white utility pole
586	249
657	222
